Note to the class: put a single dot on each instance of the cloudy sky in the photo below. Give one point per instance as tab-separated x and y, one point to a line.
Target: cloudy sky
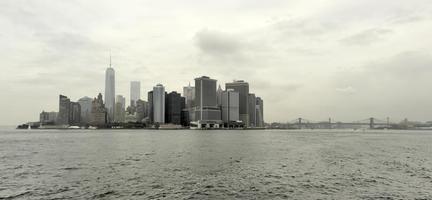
345	59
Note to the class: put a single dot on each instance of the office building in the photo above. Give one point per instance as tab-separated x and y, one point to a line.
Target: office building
98	115
173	106
189	95
259	112
230	107
120	110
158	104
142	110
64	110
135	92
74	114
207	113
150	106
252	110
47	118
110	92
219	96
86	105
242	88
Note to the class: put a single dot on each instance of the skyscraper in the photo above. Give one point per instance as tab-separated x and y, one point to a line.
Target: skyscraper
150	106
252	110
98	114
173	106
69	112
141	110
189	95
75	114
135	92
159	104
110	91
64	109
230	107
219	96
86	105
48	118
242	88
259	112
207	113
120	113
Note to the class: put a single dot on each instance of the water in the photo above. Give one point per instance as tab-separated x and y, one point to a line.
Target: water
144	164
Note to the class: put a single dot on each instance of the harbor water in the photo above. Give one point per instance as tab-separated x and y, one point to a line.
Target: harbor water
193	164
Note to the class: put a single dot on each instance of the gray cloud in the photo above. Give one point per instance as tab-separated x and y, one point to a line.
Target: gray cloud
217	43
367	37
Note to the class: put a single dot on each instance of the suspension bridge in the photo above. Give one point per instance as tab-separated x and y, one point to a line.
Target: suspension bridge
370	122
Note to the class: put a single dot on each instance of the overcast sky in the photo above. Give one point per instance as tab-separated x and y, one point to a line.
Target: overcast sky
345	59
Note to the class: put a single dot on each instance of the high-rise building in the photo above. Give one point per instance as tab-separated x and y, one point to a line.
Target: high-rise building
159	104
242	88
184	118
120	112
189	95
230	107
47	118
135	92
98	115
252	110
173	106
69	112
75	114
259	112
110	91
86	105
207	113
64	110
141	110
219	96
150	105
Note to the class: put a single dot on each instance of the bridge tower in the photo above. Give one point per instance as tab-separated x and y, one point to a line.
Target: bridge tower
300	123
371	123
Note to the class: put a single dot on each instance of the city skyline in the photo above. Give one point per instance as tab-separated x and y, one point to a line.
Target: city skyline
305	60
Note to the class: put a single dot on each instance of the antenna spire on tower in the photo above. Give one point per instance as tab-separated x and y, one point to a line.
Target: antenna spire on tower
110	58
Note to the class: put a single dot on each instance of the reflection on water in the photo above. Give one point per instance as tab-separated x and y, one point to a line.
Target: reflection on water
144	164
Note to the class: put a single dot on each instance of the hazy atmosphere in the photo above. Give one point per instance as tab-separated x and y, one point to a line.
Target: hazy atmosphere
348	60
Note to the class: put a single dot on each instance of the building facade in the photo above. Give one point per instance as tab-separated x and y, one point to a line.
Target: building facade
110	92
189	95
252	110
150	106
242	88
75	114
259	112
48	118
135	92
159	104
142	108
64	110
230	107
86	105
173	106
120	109
98	116
207	113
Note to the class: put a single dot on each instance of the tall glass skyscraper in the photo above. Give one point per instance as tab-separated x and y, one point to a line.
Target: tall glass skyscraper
159	104
242	88
110	92
135	92
207	112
